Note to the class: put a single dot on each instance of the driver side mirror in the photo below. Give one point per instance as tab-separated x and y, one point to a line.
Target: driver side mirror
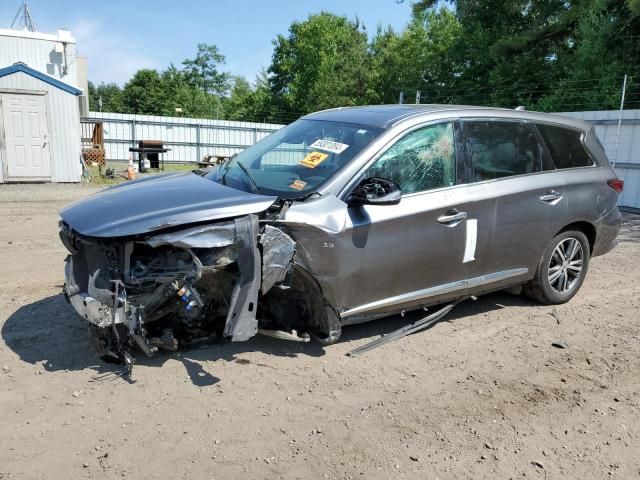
375	191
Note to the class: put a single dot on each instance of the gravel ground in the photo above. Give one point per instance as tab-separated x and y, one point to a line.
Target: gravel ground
483	395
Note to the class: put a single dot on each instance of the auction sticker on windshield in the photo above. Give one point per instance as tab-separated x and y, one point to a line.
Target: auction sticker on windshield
313	159
329	146
298	185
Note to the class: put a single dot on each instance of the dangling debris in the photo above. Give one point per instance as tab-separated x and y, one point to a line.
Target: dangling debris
422	324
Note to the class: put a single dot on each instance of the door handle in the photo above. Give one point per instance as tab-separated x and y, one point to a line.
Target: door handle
551	197
452	218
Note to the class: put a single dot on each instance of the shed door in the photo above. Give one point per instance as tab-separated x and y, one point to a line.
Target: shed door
26	137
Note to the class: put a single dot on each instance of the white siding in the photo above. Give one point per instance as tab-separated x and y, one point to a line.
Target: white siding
2	146
64	125
37	50
606	125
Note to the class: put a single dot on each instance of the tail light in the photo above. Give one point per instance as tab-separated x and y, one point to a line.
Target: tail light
616	184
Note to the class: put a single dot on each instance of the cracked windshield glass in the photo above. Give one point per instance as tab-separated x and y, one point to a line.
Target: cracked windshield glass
296	160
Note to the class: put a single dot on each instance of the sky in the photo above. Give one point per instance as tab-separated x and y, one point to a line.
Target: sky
120	37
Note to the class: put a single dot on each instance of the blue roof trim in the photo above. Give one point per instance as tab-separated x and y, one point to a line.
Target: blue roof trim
21	67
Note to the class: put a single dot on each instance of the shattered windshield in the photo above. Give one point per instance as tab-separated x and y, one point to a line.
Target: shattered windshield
294	161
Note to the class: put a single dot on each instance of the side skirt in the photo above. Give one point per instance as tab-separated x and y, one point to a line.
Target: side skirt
354	315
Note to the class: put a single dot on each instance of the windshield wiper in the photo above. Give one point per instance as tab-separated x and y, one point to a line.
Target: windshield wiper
254	185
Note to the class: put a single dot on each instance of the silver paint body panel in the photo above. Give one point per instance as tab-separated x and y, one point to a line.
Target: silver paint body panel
376	260
371	260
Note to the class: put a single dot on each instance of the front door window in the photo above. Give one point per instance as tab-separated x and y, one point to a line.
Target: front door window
421	160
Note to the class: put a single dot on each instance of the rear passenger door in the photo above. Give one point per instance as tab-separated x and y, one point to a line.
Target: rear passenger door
520	201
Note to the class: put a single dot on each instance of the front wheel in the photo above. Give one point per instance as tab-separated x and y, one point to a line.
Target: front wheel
561	269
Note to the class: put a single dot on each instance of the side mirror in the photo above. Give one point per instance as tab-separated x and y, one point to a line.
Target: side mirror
375	191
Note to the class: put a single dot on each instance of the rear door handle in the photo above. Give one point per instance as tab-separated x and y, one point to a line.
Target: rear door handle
452	218
551	197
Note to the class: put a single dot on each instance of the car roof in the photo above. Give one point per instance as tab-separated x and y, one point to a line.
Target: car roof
385	116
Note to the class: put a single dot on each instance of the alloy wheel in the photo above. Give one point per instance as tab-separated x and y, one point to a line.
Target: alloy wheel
565	265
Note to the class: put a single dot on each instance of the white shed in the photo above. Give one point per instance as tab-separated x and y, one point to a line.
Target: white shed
39	127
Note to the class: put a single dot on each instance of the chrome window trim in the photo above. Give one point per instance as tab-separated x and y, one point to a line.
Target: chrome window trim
582	132
340	183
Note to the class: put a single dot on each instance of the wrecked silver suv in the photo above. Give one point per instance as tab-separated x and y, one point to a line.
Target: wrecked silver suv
177	259
343	216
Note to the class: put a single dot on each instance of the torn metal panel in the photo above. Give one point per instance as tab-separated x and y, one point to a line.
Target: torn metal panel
278	250
193	285
421	324
241	321
302	307
318	227
103	295
204	236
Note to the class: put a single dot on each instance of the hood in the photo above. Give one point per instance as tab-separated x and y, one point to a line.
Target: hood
158	202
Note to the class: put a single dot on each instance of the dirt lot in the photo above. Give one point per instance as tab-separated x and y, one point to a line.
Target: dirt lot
484	395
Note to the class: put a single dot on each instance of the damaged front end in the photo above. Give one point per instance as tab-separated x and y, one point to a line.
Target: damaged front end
193	284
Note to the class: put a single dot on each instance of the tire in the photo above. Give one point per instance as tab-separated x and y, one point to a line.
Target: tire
557	280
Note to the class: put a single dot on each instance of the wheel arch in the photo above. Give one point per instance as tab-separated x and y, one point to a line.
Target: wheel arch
303	305
585	227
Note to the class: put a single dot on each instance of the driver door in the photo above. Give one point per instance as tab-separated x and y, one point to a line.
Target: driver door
397	255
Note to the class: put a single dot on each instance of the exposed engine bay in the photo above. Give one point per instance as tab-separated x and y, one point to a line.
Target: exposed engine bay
196	284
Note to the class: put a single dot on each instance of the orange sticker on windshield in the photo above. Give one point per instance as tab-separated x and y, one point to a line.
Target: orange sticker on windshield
298	185
313	159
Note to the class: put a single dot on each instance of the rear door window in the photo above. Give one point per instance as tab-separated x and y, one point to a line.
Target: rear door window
503	149
565	146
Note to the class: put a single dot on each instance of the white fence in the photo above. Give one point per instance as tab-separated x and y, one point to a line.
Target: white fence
627	157
189	139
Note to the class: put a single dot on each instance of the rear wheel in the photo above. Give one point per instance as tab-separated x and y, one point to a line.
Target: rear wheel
561	269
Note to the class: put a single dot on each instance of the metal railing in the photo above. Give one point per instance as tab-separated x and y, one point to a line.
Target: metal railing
189	140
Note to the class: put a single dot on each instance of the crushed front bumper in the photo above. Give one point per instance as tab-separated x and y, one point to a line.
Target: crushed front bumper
185	285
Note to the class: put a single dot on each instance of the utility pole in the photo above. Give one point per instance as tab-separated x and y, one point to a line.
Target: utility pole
615	150
401	99
418	93
25	18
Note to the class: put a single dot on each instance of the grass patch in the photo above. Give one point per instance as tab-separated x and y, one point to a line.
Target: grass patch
120	172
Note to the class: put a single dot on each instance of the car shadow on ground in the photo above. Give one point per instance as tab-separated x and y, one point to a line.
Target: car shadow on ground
48	332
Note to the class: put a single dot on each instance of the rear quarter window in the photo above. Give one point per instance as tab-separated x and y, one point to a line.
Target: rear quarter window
565	146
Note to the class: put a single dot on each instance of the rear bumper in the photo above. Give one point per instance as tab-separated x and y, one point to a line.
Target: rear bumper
607	229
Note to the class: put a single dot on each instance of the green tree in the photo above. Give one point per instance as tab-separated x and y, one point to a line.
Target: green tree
254	102
204	70
239	104
386	63
111	95
144	94
179	92
589	70
420	58
547	54
323	62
